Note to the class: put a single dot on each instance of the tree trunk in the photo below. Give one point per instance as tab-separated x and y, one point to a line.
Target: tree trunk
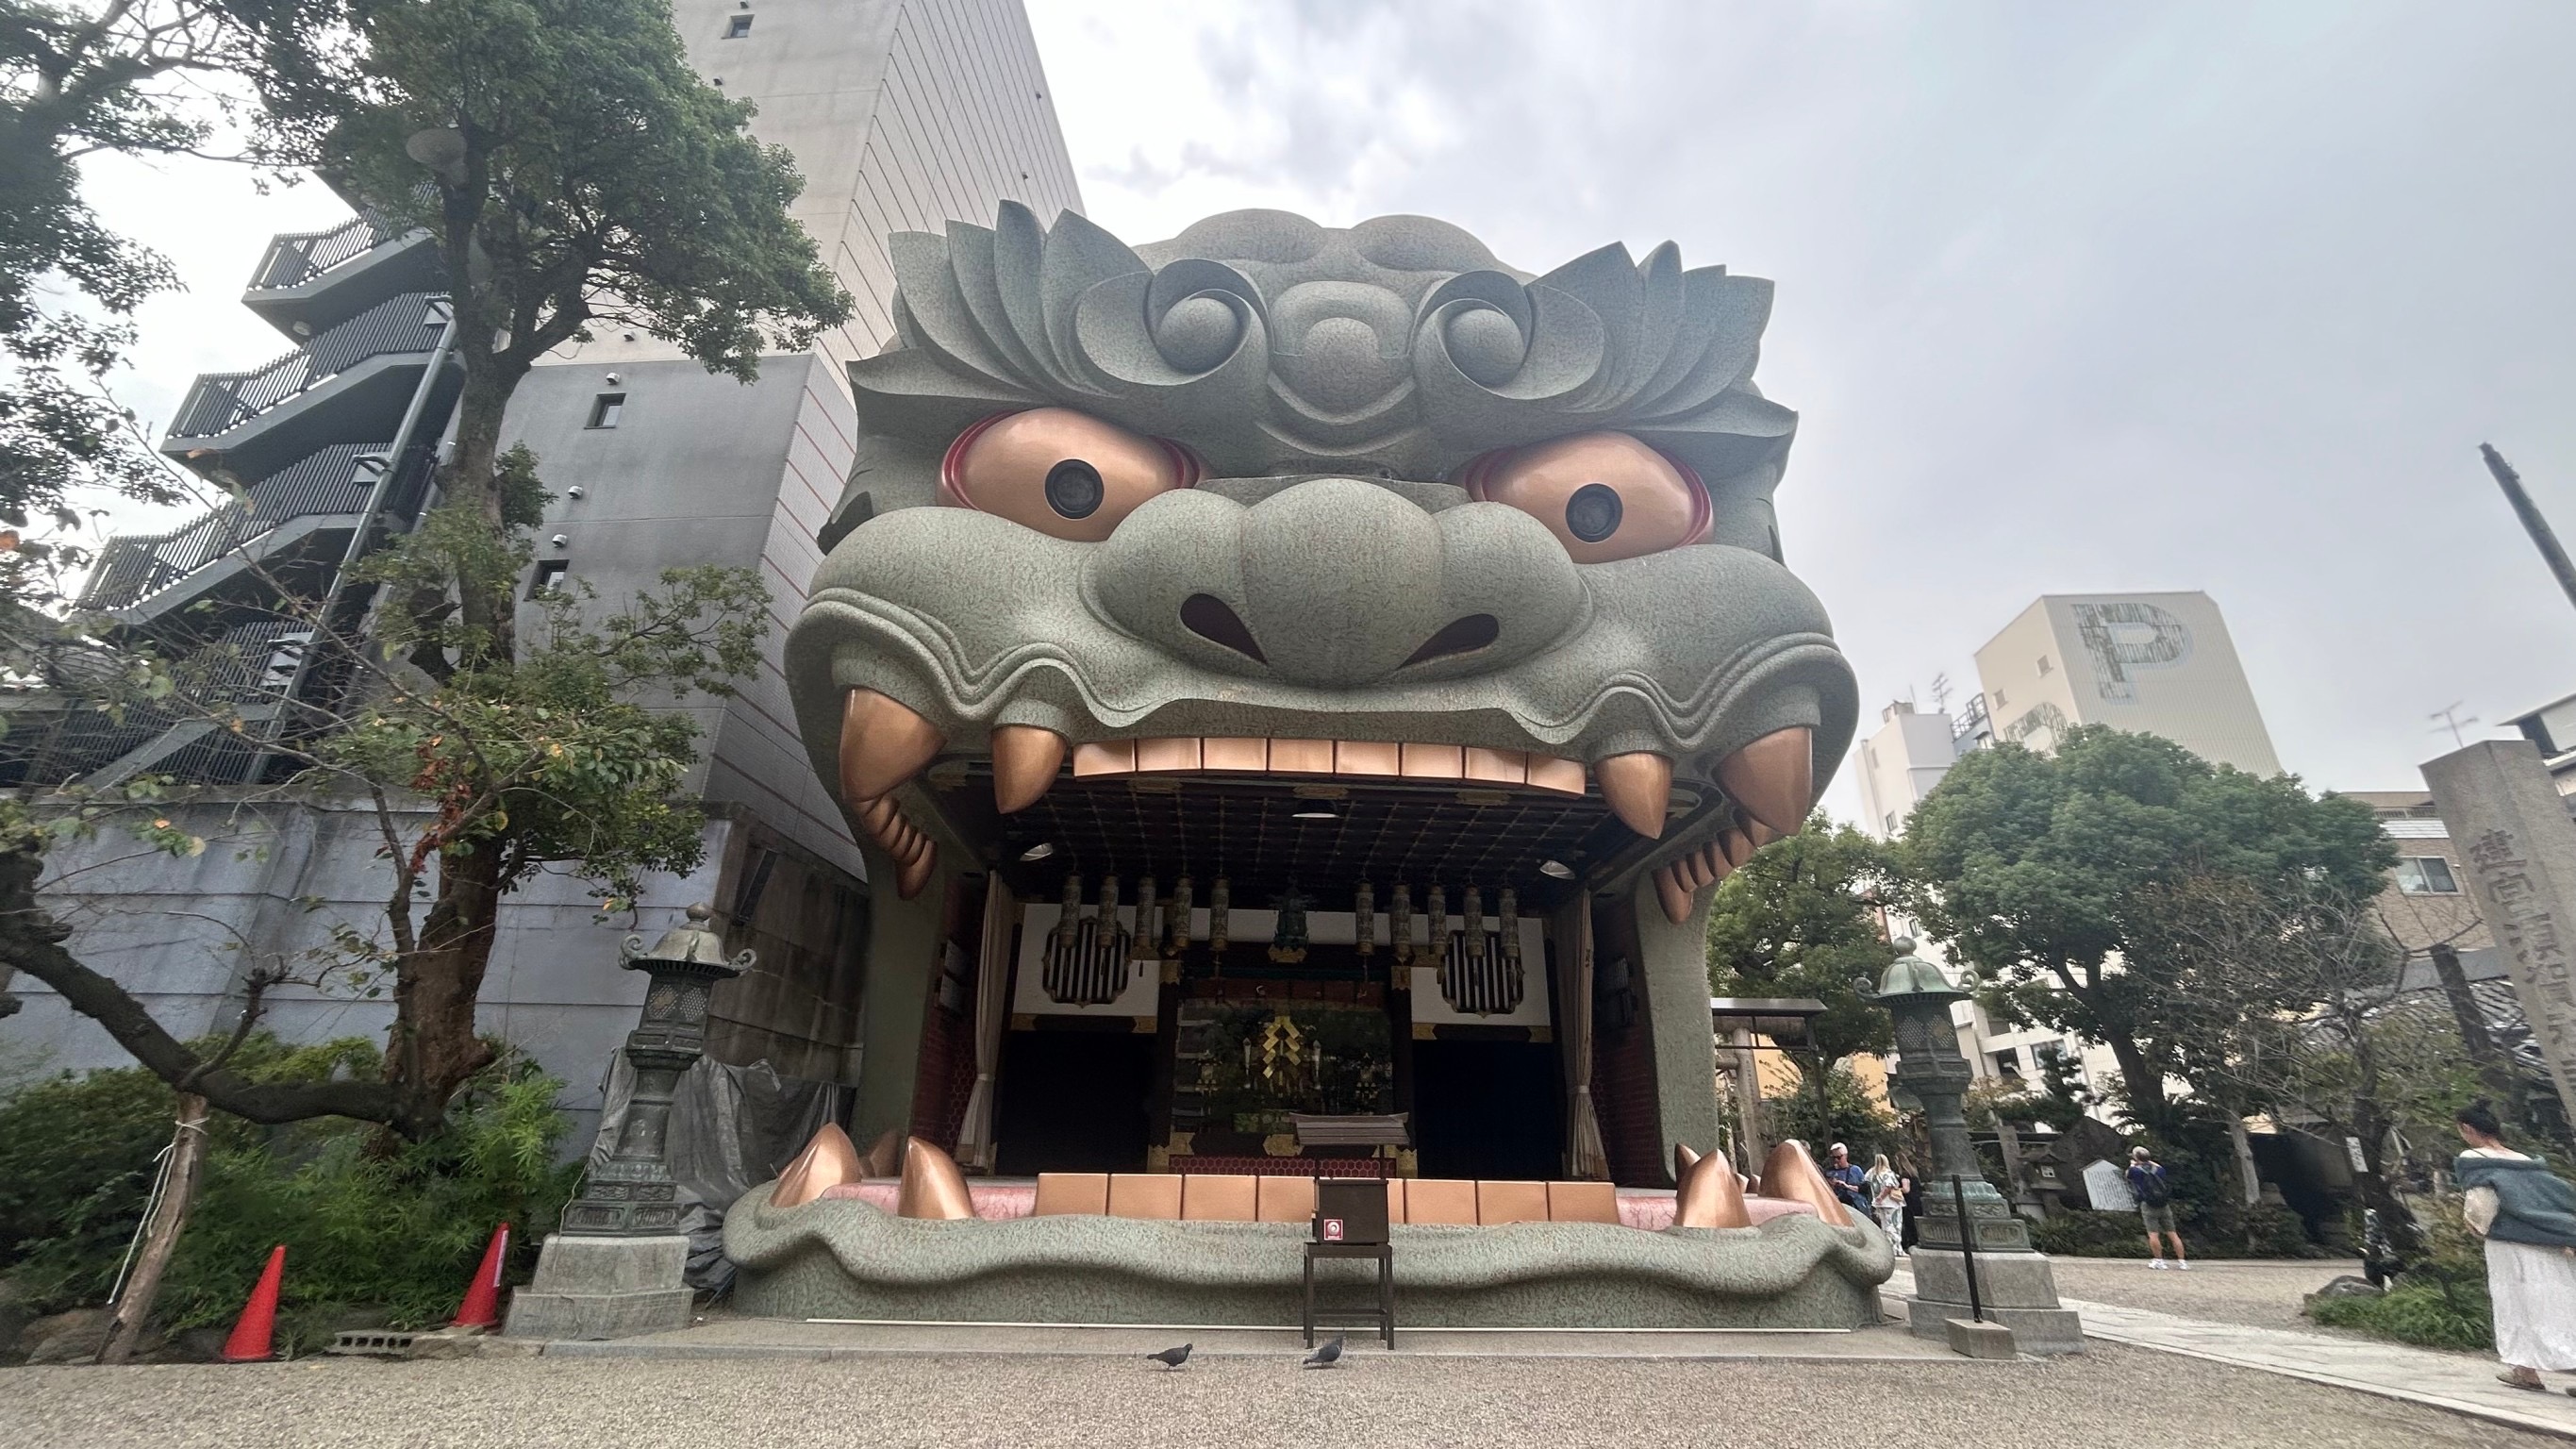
435	1047
2248	1178
2494	1068
487	607
161	1238
2377	1191
2139	1079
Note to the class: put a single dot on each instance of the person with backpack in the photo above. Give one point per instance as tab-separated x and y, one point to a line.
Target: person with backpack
2155	1205
2527	1216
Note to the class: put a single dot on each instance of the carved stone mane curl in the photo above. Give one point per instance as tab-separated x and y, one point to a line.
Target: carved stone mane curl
1273	345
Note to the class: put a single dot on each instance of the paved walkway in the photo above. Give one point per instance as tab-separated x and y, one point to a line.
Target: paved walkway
2457	1382
826	1341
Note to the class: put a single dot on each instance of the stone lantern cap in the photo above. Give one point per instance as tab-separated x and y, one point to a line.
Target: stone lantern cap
1911	975
693	944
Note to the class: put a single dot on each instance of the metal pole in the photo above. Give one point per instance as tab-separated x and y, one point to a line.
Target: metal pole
2542	537
357	549
1967	1248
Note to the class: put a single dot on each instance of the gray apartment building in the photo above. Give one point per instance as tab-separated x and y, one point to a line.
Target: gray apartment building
903	115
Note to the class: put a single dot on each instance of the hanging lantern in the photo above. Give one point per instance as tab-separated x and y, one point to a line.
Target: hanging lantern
1180	918
1146	934
1400	929
1288	933
1364	920
1220	896
1436	943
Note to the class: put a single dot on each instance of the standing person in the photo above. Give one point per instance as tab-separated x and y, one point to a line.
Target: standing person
2155	1206
1845	1175
2527	1215
1886	1197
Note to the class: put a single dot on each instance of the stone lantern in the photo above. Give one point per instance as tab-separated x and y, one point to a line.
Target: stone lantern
2015	1286
617	1266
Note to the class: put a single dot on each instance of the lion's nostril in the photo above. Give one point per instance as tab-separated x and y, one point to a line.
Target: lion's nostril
1458	636
1207	616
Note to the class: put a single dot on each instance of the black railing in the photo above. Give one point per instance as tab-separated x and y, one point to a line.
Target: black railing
247	667
223	400
298	258
333	480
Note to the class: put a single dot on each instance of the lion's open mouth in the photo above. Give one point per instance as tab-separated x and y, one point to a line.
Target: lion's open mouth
1271	809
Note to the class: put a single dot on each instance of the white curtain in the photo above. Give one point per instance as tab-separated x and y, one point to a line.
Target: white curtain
992	1013
1586	1158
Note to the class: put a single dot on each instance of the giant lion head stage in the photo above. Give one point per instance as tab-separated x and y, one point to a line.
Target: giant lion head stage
1344	565
1306	674
1275	481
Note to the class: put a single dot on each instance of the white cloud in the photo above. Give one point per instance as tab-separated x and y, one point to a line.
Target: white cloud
2071	298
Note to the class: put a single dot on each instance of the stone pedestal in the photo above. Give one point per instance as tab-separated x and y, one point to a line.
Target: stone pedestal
2016	1289
602	1287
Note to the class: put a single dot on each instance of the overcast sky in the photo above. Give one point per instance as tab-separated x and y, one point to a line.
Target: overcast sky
2071	297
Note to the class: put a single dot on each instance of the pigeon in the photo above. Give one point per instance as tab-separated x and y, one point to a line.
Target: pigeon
1172	1357
1328	1355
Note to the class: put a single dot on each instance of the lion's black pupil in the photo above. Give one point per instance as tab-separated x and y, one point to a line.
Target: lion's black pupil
1592	514
1073	488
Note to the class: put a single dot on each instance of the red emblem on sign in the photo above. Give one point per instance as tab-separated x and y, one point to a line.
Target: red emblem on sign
1332	1230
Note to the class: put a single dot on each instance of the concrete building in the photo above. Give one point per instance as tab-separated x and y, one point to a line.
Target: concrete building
903	115
1901	761
2159	664
2552	728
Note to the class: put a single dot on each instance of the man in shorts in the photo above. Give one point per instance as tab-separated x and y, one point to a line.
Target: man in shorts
2155	1205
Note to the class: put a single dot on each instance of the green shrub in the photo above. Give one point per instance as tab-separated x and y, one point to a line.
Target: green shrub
2453	1314
2086	1234
2261	1231
374	1227
78	1155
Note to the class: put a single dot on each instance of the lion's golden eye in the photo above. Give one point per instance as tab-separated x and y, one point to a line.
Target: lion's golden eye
1061	472
1604	495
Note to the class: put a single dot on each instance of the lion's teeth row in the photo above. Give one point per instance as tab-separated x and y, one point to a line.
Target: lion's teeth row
885	742
1359	759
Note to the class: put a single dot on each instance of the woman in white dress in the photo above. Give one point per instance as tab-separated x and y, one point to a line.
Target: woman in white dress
2528	1217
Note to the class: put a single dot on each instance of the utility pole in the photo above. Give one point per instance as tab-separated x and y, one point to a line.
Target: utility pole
2532	523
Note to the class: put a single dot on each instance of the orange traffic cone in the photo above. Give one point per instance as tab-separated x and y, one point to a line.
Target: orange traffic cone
254	1335
483	1296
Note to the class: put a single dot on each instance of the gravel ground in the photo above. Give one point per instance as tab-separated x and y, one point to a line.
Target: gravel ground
2258	1295
2113	1395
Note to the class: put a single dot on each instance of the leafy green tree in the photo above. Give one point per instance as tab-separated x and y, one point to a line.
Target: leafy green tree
125	76
2046	874
576	173
1801	919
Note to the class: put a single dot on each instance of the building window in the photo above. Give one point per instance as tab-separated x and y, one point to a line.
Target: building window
551	573
1999	699
606	408
737	26
1891	822
2045	666
2426	875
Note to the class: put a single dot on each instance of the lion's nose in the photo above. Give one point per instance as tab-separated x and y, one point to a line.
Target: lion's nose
1338	582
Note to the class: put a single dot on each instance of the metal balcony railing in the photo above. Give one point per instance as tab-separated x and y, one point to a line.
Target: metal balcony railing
333	480
296	259
221	401
247	668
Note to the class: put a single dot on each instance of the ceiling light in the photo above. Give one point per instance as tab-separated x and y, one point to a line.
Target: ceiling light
1313	812
1039	851
1557	868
